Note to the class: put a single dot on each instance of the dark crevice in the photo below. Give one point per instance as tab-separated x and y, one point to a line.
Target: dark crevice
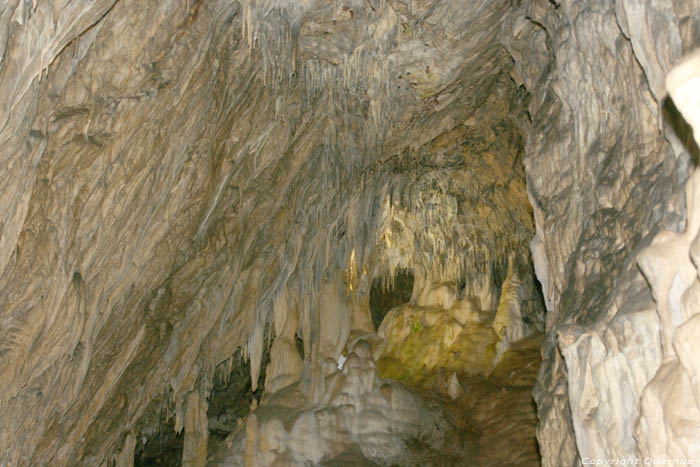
231	396
163	447
681	128
383	297
230	400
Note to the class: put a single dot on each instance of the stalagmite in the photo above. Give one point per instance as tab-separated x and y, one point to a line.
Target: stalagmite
354	411
285	365
335	317
196	431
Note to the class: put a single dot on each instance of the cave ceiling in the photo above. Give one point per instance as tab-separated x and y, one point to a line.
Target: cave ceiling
170	168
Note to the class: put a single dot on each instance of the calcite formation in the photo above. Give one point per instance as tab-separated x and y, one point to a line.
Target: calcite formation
669	422
444	331
179	176
183	183
420	341
607	157
357	413
647	350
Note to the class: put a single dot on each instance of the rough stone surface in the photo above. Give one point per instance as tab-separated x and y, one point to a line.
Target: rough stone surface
606	159
182	179
177	176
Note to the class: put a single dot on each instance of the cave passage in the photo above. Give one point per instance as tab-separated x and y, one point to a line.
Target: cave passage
349	232
383	297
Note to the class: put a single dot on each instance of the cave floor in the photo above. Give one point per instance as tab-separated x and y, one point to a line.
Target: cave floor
494	419
501	411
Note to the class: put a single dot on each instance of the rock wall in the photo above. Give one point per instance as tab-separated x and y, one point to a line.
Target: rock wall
112	271
177	176
669	423
606	159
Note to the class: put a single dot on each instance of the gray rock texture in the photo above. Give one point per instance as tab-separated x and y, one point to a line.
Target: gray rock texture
182	179
177	175
604	130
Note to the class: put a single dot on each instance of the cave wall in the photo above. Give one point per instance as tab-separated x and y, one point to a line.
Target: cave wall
104	282
606	159
178	176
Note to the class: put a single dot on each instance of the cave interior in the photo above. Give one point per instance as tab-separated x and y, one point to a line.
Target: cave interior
349	232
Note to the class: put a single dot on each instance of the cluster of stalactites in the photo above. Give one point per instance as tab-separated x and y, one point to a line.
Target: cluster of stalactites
275	29
420	225
345	209
356	83
425	230
328	267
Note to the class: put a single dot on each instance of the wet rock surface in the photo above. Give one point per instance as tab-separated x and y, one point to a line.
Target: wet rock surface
607	157
181	181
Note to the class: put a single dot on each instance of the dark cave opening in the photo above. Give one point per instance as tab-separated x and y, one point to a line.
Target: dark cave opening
229	401
231	396
163	447
383	296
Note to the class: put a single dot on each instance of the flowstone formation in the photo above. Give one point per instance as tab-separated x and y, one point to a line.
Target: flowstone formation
447	331
607	156
662	378
421	341
669	422
356	419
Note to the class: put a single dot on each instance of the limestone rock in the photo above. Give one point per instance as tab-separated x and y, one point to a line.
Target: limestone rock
468	310
358	411
196	432
441	295
171	169
669	423
182	180
509	321
601	189
421	342
599	363
454	389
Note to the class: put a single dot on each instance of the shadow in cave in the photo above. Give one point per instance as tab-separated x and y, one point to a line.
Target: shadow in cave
231	396
492	409
383	297
681	128
230	400
162	448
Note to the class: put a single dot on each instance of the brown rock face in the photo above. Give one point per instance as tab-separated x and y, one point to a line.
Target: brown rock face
182	179
603	128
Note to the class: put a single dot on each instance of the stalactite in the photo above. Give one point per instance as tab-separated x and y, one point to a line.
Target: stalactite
251	147
196	431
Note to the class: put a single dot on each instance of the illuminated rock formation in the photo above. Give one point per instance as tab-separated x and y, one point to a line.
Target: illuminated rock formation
201	200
